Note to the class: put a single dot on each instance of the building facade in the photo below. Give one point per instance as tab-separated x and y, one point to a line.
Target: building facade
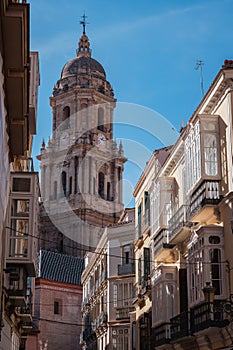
81	167
19	183
141	319
58	296
108	281
191	230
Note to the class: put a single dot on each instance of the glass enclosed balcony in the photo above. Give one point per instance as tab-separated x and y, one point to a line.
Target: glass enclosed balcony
22	240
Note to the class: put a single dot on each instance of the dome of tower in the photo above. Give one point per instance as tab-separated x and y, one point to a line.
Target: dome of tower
83	71
83	65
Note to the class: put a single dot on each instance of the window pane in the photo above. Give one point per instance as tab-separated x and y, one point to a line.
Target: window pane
21	185
56	307
146	262
18	248
126	295
215	258
192	157
20	207
210	154
19	237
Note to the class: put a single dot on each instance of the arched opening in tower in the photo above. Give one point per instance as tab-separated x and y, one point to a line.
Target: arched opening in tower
65	117
101	119
101	185
63	181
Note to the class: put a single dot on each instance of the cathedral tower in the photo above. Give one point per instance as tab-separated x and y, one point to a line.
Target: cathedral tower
81	167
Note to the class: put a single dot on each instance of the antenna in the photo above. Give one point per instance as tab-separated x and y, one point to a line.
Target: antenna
84	22
199	65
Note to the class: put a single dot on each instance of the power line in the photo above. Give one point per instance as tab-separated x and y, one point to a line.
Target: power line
104	303
57	321
100	253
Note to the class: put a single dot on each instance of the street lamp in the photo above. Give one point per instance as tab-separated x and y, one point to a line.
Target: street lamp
208	291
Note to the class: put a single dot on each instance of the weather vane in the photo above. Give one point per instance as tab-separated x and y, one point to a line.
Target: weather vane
84	22
199	65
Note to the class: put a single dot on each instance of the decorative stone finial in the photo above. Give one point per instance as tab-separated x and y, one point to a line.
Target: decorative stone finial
121	151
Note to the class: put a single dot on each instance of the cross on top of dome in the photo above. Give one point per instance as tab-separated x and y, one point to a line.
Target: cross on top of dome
84	44
84	23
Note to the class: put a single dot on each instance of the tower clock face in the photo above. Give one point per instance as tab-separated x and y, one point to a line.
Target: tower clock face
101	139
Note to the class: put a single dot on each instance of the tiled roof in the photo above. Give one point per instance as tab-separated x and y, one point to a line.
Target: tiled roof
59	267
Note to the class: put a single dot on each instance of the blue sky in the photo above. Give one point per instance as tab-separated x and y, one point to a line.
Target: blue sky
148	48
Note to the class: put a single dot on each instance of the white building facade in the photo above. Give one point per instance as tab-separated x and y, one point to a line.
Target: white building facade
191	229
108	281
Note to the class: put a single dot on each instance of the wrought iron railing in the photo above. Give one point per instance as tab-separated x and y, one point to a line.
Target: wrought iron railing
177	221
160	239
207	315
161	334
123	312
201	316
207	193
101	319
180	325
137	289
126	269
86	334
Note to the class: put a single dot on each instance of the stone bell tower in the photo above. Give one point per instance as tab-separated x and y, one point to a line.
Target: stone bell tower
81	166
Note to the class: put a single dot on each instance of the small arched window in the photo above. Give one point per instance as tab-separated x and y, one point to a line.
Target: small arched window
100	119
76	163
66	112
108	191
83	116
65	117
101	185
55	189
70	185
63	181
